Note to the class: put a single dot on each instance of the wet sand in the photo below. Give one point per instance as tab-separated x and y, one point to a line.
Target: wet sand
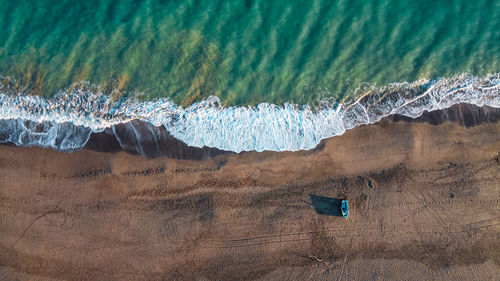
425	204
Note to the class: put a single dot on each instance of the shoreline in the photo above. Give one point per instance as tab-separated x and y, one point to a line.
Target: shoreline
157	142
66	121
424	204
149	141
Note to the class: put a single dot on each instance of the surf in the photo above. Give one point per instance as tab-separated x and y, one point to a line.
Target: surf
66	121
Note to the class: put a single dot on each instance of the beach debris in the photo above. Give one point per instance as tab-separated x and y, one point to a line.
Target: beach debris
370	184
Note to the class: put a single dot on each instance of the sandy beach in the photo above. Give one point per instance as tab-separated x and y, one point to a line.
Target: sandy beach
424	204
249	140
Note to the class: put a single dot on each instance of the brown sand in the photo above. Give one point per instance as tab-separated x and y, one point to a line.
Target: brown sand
425	204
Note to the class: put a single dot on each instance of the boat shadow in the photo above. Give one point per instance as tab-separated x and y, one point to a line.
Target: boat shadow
326	206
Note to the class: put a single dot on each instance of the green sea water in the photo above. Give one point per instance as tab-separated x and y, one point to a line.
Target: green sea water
244	51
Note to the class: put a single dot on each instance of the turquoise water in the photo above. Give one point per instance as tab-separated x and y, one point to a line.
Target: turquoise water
237	75
244	52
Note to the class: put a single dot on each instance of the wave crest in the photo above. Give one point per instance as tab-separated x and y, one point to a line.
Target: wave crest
66	121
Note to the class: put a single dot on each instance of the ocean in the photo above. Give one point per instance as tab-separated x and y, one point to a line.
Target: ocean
238	75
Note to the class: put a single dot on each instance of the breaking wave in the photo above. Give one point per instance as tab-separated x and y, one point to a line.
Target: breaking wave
66	121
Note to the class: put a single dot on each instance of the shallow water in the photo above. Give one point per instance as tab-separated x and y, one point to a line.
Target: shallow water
66	121
244	52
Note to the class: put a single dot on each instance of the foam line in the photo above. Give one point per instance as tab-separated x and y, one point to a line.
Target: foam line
66	121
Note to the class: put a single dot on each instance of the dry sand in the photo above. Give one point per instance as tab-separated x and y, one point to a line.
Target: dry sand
425	204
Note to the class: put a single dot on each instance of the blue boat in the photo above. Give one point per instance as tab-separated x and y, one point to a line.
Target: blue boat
345	209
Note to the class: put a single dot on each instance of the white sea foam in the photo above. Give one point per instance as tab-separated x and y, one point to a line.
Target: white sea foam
68	118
